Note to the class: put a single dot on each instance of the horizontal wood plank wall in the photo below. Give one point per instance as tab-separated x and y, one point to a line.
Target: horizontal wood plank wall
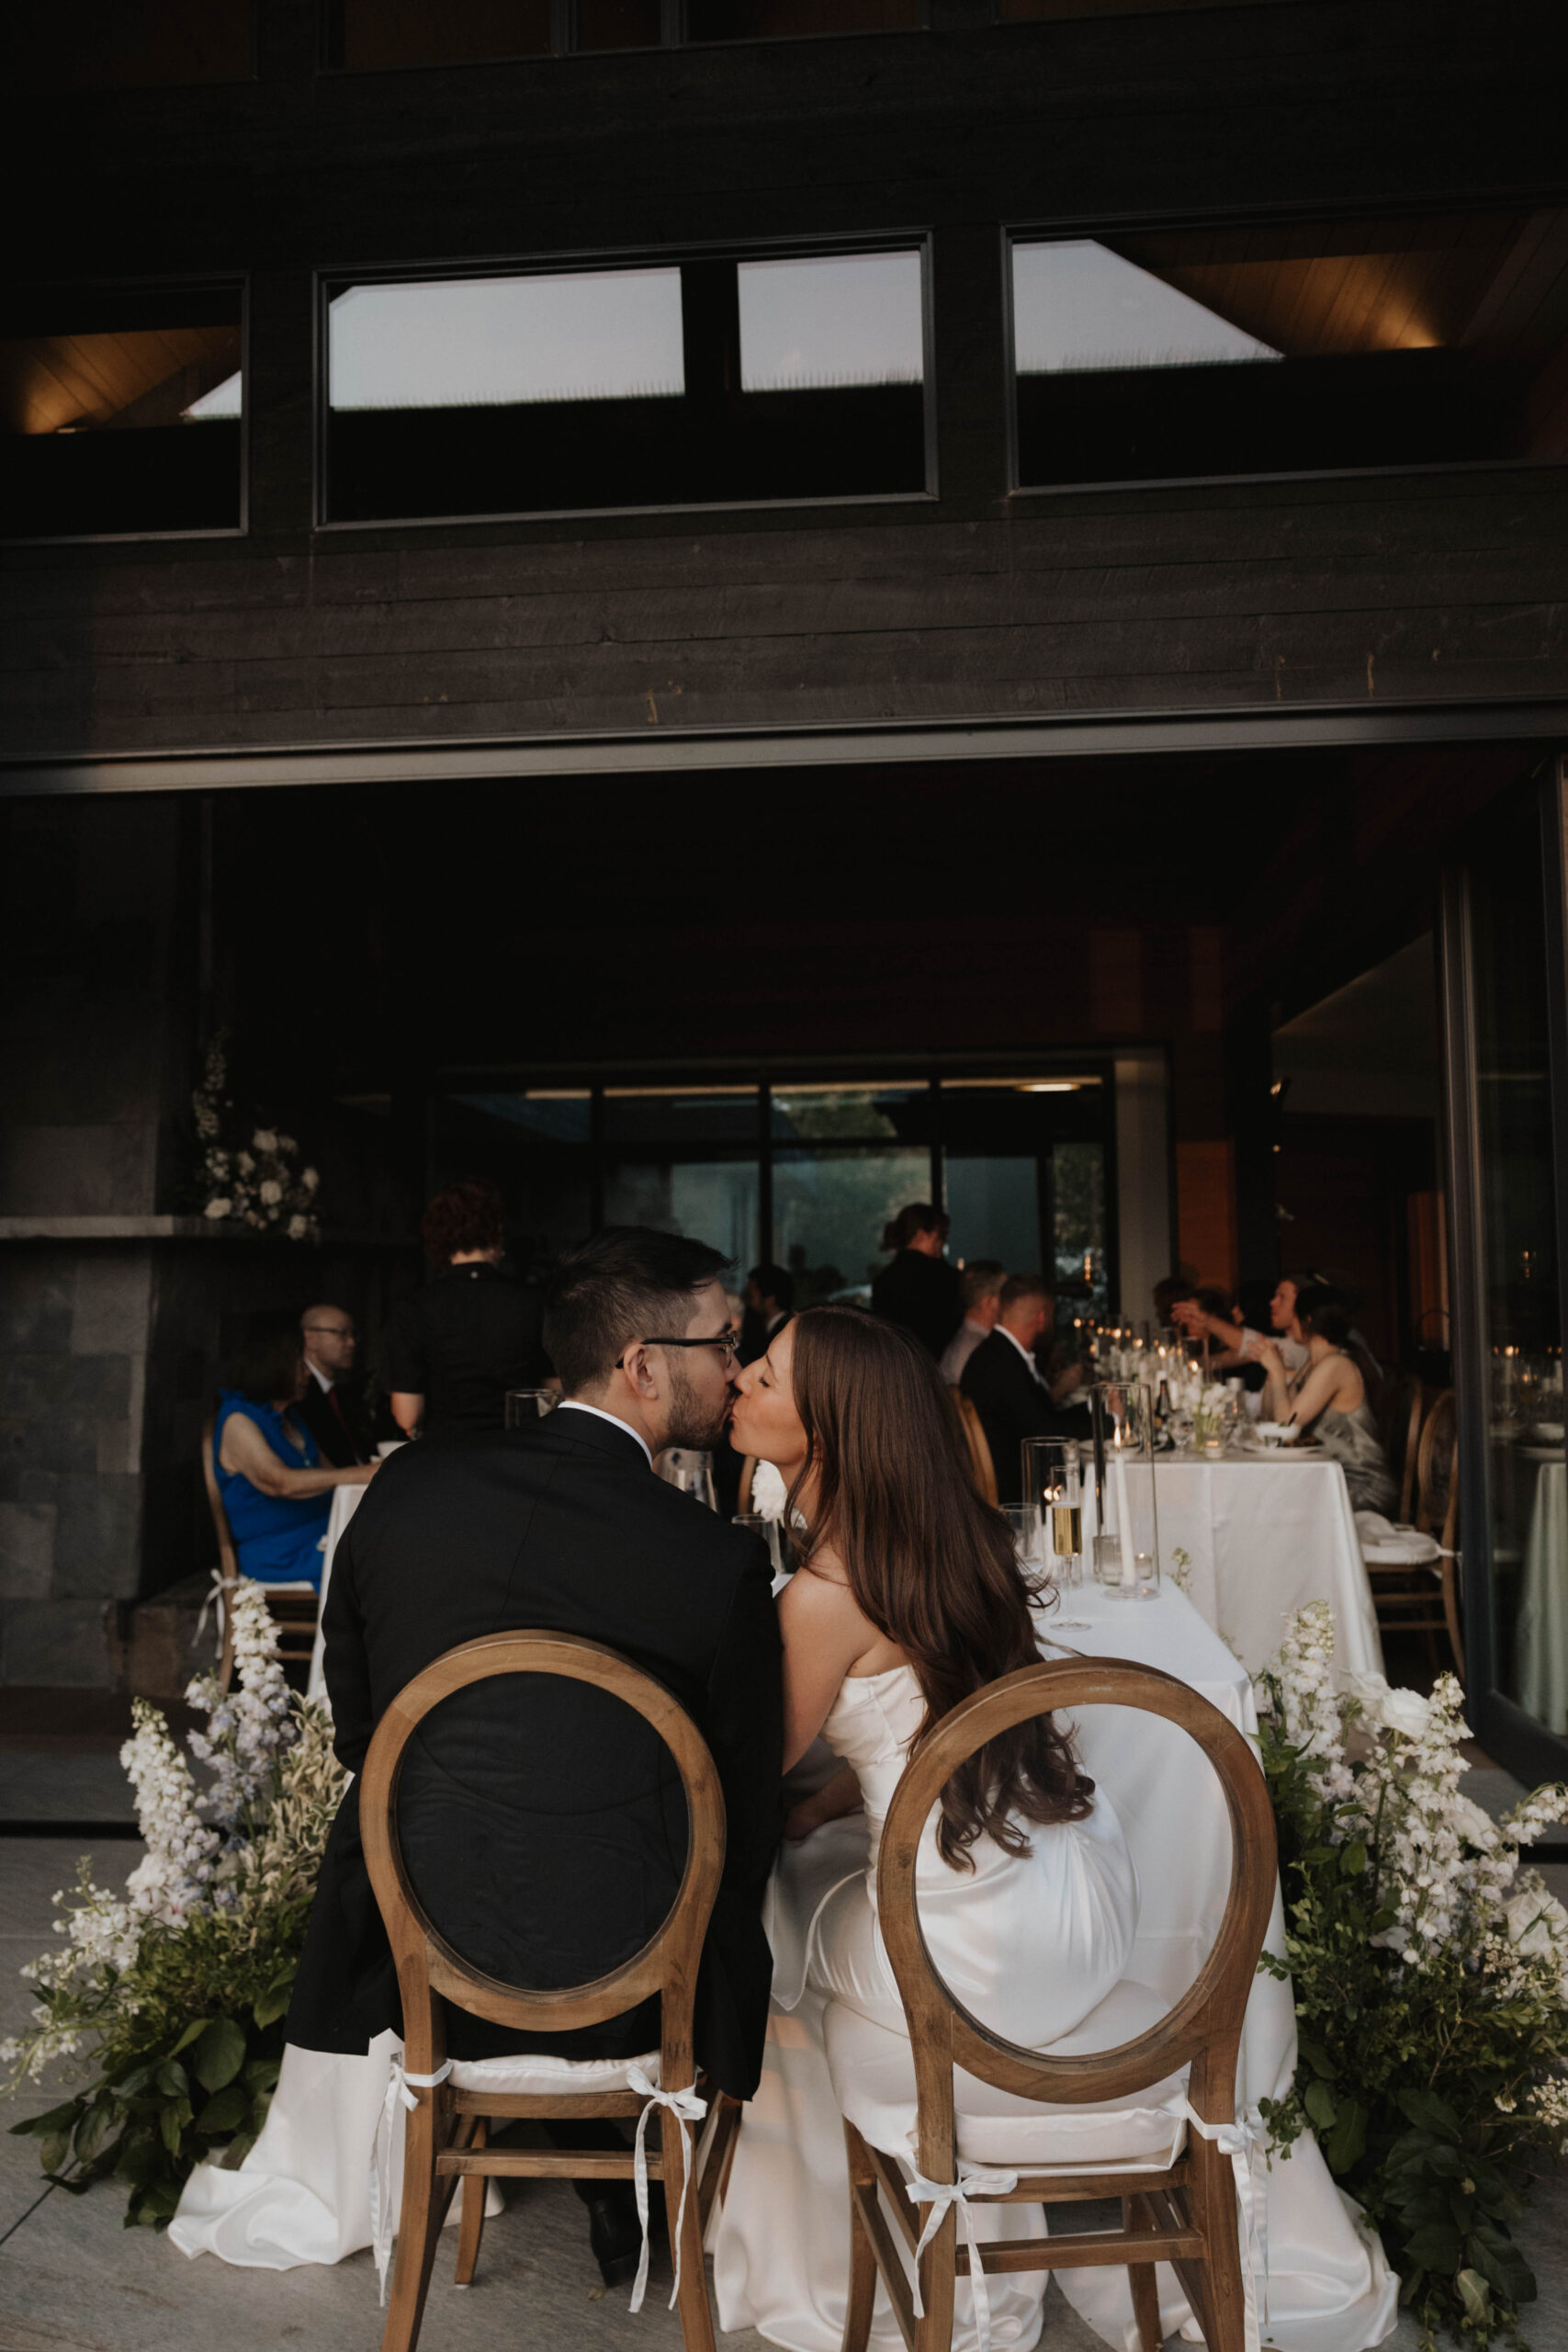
1409	589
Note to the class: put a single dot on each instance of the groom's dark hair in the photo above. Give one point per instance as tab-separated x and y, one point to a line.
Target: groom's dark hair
628	1282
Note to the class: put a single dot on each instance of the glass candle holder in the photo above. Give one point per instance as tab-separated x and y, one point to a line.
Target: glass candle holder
1052	1496
1127	1555
525	1405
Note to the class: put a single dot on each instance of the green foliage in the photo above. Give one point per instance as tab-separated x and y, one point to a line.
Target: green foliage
169	2090
1435	2089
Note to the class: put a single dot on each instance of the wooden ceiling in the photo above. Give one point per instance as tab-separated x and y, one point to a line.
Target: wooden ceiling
144	376
1494	283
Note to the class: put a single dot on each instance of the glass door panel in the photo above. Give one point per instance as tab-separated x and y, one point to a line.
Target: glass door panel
684	1161
1522	1338
845	1159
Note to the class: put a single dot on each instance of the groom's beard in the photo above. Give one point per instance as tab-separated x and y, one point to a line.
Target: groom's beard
692	1423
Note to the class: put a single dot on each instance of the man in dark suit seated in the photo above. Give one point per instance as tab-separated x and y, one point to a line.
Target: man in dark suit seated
1003	1382
543	1824
331	1413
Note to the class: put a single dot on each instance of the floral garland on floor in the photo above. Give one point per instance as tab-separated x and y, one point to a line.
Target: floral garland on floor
259	1183
179	1986
1430	1977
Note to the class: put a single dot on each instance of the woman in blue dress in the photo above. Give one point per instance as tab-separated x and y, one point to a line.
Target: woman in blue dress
276	1489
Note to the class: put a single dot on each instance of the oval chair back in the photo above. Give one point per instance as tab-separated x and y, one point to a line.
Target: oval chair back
445	2131
1202	2031
982	1469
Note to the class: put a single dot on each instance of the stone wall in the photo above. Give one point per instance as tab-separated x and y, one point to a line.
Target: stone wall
74	1325
93	1052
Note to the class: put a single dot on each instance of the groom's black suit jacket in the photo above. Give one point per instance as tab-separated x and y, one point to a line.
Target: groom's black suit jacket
543	1823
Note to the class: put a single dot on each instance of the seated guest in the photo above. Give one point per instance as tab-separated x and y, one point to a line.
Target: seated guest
1326	1397
456	1347
919	1289
980	1295
1003	1382
1195	1312
546	1833
276	1493
770	1302
327	1409
1211	1314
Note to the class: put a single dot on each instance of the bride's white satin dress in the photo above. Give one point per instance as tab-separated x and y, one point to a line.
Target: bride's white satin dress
1029	1944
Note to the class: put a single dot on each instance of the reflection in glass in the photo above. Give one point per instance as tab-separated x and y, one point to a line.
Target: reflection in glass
831	321
1360	342
490	342
712	380
121	412
795	19
1080	305
368	36
1523	1340
713	1201
846	1159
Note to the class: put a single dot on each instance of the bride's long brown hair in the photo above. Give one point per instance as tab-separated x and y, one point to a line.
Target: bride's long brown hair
928	1563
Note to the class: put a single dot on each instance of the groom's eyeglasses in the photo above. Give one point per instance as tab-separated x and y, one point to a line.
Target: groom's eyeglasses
728	1341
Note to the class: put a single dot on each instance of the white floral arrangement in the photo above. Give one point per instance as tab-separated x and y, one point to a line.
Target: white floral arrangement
178	1986
1211	1412
260	1183
1430	1977
769	1492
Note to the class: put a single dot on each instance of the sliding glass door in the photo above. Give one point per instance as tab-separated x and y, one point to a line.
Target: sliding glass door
1504	991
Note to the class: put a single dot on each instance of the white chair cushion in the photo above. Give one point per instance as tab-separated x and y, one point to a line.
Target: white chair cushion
533	2075
874	2074
1385	1544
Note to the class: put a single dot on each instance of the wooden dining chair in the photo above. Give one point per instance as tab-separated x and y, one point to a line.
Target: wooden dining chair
982	1469
1178	2186
1421	1596
451	2108
295	1607
1399	1418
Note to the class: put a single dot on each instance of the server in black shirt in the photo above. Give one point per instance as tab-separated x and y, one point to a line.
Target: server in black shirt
920	1289
455	1348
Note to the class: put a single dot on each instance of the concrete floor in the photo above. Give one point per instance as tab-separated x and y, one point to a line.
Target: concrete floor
73	2279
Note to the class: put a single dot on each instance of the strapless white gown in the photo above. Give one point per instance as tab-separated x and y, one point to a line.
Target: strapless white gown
1029	1944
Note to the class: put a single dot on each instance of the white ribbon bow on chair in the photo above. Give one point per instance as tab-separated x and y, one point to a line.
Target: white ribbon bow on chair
940	2195
401	2088
691	2109
1244	2141
217	1597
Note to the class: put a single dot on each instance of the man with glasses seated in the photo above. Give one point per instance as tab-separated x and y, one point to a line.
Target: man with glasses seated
546	1837
328	1410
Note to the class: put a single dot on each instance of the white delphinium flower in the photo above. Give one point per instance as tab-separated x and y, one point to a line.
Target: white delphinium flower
271	1192
248	1726
245	1162
169	1883
310	1179
298	1228
216	1208
263	1139
1303	1671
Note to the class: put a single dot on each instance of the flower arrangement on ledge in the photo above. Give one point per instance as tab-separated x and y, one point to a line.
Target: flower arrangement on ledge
260	1183
1430	1977
178	1986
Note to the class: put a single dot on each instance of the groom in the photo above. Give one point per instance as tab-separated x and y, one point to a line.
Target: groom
543	1824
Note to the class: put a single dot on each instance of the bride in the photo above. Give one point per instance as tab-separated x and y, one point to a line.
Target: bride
908	1597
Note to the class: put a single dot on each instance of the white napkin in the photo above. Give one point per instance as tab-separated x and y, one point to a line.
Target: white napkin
1393	1546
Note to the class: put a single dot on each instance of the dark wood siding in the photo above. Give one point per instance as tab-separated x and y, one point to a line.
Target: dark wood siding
1410	588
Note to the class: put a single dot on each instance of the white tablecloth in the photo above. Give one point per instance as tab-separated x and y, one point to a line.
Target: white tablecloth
345	1502
1541	1653
781	2245
1264	1538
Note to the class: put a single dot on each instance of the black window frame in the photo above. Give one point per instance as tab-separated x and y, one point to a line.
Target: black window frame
332	279
186	283
1098	225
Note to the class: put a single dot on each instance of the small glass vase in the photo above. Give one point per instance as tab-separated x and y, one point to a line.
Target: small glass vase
1126	1555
